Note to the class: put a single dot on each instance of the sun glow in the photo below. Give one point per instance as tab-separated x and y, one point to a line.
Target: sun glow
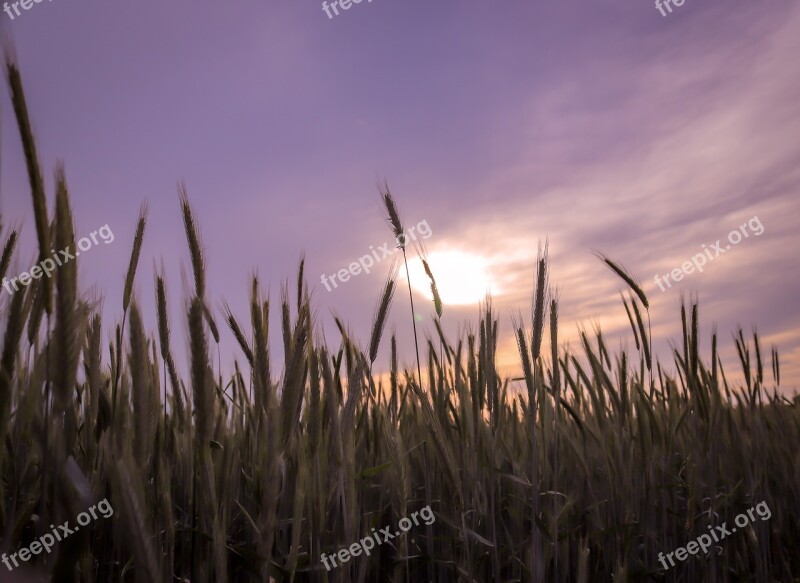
462	278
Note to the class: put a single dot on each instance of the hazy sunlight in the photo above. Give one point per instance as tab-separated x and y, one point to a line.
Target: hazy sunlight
462	278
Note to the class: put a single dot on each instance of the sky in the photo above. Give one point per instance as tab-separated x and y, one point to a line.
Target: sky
599	126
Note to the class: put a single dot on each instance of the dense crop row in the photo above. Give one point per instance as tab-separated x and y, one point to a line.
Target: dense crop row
601	464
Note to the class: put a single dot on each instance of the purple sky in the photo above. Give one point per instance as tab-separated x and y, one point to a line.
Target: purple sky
600	125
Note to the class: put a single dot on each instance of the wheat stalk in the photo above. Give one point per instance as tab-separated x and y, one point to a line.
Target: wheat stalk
34	174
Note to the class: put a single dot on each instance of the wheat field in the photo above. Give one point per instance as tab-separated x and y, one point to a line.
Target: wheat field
604	461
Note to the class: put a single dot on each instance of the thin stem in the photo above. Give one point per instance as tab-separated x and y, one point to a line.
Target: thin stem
44	484
650	342
120	341
413	316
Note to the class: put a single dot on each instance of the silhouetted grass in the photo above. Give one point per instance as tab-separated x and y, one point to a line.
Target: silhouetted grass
585	476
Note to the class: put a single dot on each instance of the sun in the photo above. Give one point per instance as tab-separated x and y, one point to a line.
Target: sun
462	278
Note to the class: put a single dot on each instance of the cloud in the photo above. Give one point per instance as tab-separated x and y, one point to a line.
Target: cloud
697	143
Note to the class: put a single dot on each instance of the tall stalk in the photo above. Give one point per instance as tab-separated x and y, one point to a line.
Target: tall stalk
413	315
393	218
